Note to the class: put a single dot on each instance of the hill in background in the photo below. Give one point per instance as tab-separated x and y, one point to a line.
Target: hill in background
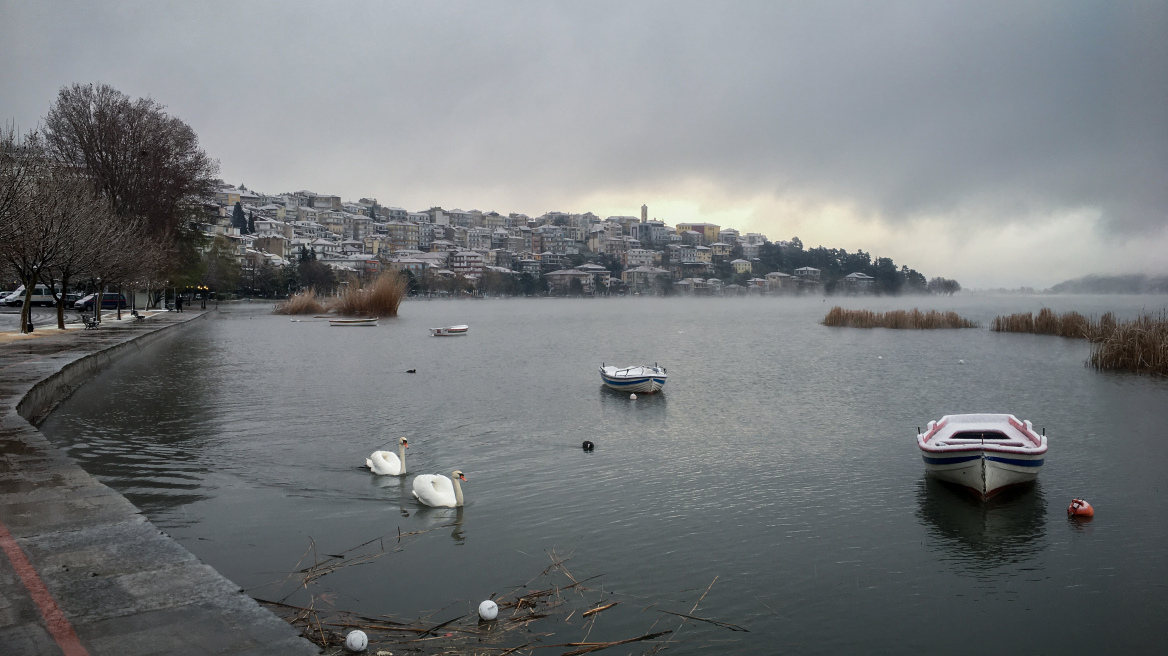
1132	284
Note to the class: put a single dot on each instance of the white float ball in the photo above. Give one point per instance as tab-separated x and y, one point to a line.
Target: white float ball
633	397
488	610
356	641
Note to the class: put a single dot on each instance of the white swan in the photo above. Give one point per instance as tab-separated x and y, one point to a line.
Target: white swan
437	490
386	463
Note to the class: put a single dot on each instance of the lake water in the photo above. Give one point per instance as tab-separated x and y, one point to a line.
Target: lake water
780	459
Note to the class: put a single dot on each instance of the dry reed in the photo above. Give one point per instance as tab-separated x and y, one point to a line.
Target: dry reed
1139	345
1070	324
531	616
913	319
379	299
304	302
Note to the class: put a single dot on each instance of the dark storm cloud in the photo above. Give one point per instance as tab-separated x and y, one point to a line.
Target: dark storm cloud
983	111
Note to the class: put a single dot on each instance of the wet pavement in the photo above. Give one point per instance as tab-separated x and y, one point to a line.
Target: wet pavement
81	570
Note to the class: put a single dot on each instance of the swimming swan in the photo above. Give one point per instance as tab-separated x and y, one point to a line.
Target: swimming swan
386	463
437	490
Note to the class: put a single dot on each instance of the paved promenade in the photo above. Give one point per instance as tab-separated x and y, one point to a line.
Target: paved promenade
81	570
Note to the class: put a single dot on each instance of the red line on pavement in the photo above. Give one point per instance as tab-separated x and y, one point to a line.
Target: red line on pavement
60	628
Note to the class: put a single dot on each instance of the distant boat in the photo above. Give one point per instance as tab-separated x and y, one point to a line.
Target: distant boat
982	452
642	380
353	322
449	331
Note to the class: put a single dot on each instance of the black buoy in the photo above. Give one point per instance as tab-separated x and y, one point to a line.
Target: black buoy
411	371
588	445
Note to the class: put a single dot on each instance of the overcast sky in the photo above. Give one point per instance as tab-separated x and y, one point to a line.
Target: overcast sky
999	143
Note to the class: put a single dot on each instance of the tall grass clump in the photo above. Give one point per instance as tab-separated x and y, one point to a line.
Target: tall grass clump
381	298
304	302
1139	345
898	319
1070	324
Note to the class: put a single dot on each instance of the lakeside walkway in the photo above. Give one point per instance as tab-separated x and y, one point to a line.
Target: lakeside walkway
81	570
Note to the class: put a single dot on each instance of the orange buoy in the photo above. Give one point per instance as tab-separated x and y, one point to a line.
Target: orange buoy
1080	508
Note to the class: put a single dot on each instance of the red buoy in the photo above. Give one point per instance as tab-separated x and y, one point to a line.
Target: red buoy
1080	508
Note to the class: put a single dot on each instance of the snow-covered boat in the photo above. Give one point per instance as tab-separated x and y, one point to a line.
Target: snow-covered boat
982	452
352	322
449	331
640	380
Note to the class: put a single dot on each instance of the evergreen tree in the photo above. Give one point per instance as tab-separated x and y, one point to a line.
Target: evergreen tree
238	220
251	223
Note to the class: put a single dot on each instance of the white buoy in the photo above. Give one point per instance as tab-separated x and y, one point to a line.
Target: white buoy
880	357
488	610
633	397
356	641
961	362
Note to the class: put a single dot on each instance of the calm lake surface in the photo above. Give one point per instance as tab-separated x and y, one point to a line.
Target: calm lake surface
781	459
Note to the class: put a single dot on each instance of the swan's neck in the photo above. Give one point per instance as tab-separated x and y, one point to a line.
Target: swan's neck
401	449
457	493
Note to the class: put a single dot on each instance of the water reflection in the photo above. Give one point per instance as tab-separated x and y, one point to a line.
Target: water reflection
1008	529
618	400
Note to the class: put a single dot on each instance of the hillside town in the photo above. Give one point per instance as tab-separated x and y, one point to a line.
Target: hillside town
470	251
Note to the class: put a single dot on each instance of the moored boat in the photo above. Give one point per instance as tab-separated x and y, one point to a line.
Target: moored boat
639	380
353	322
984	452
449	331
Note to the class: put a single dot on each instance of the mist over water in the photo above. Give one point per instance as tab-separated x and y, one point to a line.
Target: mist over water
780	459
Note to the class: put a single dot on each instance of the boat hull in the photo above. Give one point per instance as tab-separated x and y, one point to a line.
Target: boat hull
983	471
353	323
449	331
646	385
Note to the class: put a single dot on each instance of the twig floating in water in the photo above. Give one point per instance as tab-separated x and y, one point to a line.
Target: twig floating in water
597	610
725	625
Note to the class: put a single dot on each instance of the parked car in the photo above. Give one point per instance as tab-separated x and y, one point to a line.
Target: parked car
110	301
40	296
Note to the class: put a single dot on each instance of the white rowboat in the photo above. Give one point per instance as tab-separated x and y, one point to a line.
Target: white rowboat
983	452
638	380
449	331
353	322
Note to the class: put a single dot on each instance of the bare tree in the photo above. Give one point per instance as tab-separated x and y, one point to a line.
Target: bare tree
39	209
146	163
85	231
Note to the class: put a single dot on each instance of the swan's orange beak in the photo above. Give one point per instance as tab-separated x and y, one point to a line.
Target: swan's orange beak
463	477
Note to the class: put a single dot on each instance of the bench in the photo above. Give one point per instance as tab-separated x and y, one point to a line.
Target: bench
89	320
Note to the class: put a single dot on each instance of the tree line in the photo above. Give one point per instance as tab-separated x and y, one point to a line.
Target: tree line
107	194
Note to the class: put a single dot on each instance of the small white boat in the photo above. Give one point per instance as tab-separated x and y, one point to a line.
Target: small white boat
640	380
449	331
352	322
982	452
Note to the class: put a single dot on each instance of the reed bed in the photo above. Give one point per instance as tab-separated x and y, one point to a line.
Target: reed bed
1139	345
379	299
899	319
1070	324
304	302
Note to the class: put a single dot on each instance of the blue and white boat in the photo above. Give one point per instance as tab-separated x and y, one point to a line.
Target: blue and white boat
983	452
639	380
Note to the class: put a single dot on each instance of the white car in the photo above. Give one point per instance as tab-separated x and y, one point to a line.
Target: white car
40	296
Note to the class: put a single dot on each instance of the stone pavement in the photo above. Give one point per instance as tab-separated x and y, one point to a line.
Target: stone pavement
81	570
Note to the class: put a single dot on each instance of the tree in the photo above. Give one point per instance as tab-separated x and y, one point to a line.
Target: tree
238	219
144	162
220	266
944	286
251	223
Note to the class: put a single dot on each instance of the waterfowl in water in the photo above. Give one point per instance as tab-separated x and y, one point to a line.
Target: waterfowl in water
438	491
388	464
